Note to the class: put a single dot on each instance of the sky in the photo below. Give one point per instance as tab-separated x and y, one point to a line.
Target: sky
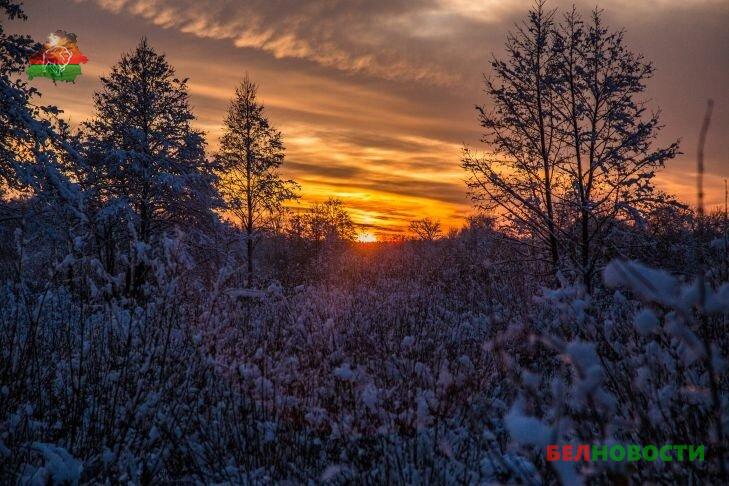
375	98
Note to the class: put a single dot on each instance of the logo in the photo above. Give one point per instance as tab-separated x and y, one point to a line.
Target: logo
625	452
59	59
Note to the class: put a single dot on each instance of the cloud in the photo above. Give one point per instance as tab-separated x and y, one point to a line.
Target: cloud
433	41
359	36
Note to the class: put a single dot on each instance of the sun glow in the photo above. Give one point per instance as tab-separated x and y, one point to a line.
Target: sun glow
366	238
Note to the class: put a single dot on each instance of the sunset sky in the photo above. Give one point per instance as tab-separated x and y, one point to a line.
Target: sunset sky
376	98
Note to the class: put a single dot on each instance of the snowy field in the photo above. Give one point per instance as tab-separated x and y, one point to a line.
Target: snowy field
409	363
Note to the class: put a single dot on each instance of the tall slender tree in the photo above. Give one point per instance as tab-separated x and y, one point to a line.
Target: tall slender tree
251	153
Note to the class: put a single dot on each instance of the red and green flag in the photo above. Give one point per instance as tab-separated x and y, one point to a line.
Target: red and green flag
59	59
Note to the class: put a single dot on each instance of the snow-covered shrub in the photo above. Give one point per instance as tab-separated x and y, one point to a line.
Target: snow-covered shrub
377	371
643	365
417	362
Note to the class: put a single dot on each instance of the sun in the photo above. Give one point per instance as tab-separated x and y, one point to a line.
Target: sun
366	238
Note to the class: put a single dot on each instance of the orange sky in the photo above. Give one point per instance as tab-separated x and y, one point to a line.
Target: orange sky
375	99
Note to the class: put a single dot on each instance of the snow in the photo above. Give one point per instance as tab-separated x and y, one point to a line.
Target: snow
369	397
59	467
645	321
391	366
344	373
526	429
332	471
648	284
718	302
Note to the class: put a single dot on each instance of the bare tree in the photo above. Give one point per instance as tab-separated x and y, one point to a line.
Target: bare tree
572	156
329	222
609	132
518	175
426	229
251	153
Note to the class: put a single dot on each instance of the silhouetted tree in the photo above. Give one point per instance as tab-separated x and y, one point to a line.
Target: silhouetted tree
426	229
518	176
572	145
330	221
251	152
609	162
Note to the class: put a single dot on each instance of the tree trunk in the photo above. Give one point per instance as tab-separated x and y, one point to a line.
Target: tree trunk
249	247
584	197
249	207
554	251
585	244
550	222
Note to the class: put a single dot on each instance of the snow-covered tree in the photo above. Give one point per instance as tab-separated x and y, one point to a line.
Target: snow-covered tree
251	153
145	153
36	164
29	142
17	115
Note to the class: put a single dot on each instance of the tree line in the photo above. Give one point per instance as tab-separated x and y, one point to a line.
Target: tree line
567	174
138	169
